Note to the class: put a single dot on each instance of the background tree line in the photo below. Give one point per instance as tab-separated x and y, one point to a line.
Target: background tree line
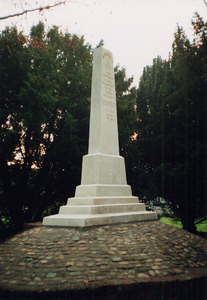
45	84
170	152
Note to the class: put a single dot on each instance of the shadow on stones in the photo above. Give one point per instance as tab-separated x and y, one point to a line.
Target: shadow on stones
174	290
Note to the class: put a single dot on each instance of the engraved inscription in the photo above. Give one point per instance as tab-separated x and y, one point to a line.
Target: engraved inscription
108	56
108	86
109	115
108	93
108	103
108	77
108	62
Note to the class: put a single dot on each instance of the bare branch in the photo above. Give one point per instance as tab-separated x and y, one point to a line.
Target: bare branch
205	2
34	9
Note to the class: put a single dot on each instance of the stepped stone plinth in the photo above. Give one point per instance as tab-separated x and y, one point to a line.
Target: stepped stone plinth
103	197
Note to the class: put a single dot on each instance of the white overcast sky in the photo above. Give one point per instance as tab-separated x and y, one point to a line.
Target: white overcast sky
135	31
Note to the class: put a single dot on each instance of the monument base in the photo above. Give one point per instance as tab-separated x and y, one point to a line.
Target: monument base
92	211
85	220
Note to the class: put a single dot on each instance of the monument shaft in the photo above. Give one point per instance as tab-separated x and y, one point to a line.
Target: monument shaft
103	165
103	132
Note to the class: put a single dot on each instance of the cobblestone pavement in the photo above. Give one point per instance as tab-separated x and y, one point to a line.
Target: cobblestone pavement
44	259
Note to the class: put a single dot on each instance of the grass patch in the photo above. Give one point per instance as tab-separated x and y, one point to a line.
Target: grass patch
171	221
4	220
202	227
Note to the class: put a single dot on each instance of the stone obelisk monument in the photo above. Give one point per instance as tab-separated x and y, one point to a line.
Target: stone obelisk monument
103	197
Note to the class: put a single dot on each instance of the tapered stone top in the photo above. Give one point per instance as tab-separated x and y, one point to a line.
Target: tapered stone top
103	133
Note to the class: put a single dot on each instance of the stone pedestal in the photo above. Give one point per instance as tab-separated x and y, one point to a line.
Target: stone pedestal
103	197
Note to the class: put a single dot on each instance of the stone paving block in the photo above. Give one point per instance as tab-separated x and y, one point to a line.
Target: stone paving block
122	259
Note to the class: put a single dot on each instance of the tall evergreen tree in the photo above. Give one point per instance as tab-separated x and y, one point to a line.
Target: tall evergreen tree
171	106
126	110
151	137
45	103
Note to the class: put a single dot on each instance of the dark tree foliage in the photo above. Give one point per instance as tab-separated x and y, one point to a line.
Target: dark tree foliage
171	106
45	83
126	111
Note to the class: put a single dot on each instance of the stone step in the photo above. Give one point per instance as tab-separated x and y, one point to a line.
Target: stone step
102	200
69	220
101	209
101	190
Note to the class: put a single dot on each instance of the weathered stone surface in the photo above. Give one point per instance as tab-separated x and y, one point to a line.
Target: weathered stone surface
152	273
143	276
116	259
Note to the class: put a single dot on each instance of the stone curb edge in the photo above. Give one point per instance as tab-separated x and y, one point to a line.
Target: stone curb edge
175	286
